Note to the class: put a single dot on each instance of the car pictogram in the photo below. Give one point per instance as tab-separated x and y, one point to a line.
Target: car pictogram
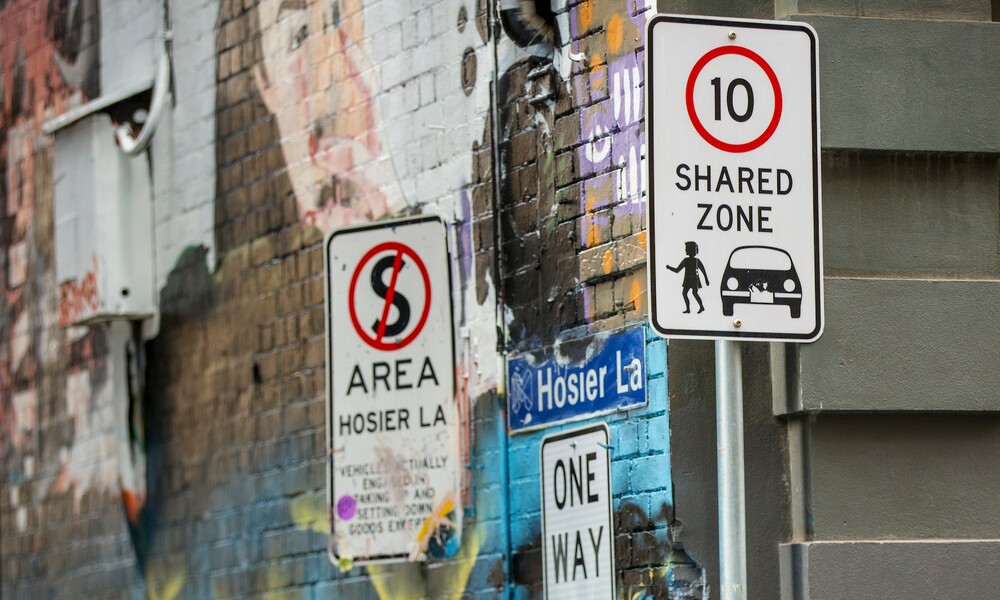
761	275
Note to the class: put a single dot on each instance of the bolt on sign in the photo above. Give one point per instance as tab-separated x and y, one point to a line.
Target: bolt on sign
577	523
734	183
393	427
577	379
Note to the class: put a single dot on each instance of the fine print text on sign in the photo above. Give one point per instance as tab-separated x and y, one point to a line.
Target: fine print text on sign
577	379
395	462
734	213
577	525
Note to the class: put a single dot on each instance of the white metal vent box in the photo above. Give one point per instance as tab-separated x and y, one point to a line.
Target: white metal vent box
103	226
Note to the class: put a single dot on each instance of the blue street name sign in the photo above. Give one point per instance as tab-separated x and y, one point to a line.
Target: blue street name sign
577	379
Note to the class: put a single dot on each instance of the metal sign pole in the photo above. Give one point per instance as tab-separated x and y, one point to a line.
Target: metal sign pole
732	499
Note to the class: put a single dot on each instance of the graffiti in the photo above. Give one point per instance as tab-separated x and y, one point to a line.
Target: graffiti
411	580
132	448
236	347
650	564
396	582
88	405
75	28
78	297
47	65
613	150
435	536
407	580
170	577
25	413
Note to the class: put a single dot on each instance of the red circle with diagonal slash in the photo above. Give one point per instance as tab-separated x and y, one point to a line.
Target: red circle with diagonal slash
378	340
775	87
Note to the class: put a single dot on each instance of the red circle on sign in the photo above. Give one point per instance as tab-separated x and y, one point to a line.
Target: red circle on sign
700	128
377	341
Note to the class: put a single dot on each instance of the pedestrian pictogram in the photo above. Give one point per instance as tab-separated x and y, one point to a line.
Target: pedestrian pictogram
734	180
379	283
691	266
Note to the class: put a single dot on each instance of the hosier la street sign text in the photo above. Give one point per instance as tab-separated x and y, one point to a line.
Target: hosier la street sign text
393	426
577	379
734	213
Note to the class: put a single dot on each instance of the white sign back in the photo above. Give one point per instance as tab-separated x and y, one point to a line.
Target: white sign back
395	469
734	184
577	524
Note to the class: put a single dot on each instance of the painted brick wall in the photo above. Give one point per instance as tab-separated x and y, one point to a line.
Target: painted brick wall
61	518
284	126
571	208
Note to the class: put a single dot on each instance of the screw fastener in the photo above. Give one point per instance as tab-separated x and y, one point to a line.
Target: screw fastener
737	323
732	35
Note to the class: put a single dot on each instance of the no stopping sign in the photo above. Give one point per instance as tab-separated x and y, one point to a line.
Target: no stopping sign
395	467
387	301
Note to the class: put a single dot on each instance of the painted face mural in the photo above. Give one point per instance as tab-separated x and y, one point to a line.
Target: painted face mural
315	79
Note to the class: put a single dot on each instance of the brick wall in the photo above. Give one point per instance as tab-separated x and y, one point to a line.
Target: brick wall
442	111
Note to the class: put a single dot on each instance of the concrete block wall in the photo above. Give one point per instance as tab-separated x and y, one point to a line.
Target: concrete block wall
876	424
900	438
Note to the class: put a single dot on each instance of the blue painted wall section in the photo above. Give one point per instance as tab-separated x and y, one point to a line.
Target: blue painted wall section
640	484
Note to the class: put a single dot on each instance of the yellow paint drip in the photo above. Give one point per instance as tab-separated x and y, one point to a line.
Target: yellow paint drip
462	567
635	294
608	262
309	514
401	581
171	589
586	15
615	33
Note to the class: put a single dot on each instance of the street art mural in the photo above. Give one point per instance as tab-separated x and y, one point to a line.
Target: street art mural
336	119
329	113
305	125
59	424
612	131
48	63
572	204
317	82
571	155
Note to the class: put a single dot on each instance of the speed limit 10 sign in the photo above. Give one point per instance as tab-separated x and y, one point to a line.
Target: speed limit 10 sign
734	185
